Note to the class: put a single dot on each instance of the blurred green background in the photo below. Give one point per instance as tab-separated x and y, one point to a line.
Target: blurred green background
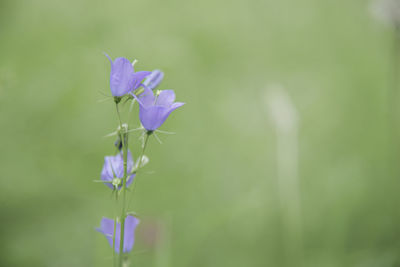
212	194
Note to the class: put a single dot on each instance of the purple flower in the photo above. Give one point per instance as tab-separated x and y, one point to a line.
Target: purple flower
114	168
154	110
154	79
107	229
123	78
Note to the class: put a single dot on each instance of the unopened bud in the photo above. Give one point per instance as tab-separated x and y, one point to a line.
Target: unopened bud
143	161
116	182
124	128
154	79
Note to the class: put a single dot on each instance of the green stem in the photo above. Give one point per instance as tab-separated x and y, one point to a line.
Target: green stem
115	259
119	116
139	164
123	212
143	149
130	110
114	234
393	111
124	140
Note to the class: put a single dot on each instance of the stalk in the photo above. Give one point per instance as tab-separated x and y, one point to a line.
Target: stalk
123	212
143	149
124	140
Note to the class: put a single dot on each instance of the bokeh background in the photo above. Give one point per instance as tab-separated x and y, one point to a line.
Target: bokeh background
285	154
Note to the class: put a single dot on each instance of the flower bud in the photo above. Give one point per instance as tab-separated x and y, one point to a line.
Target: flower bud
154	79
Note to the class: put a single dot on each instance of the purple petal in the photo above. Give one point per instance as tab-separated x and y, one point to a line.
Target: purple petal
175	106
172	108
129	161
146	99
121	77
129	234
109	58
166	98
114	165
118	165
107	172
107	228
130	180
154	79
138	78
152	117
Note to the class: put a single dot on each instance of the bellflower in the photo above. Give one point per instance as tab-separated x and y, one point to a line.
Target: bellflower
123	77
114	168
107	229
154	110
154	79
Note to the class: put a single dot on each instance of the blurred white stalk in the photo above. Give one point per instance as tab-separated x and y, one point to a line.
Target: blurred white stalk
388	12
163	245
285	119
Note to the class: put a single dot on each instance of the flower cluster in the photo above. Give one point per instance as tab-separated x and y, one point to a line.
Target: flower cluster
119	171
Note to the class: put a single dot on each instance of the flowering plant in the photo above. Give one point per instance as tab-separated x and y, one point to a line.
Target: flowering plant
120	171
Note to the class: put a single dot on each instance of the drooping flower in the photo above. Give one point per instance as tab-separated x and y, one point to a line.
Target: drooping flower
123	77
113	170
154	110
154	79
107	229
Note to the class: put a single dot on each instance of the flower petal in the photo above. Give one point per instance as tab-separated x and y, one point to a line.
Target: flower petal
118	165
138	78
166	98
152	117
114	166
121	77
129	234
109	58
146	99
107	229
130	162
176	105
107	172
130	180
172	108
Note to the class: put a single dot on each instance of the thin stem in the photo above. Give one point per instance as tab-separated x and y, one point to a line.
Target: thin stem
123	212
119	116
139	165
393	111
130	109
143	149
115	258
124	140
113	247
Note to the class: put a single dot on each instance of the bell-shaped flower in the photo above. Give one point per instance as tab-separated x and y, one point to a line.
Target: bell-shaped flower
154	79
107	229
113	170
123	77
154	110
